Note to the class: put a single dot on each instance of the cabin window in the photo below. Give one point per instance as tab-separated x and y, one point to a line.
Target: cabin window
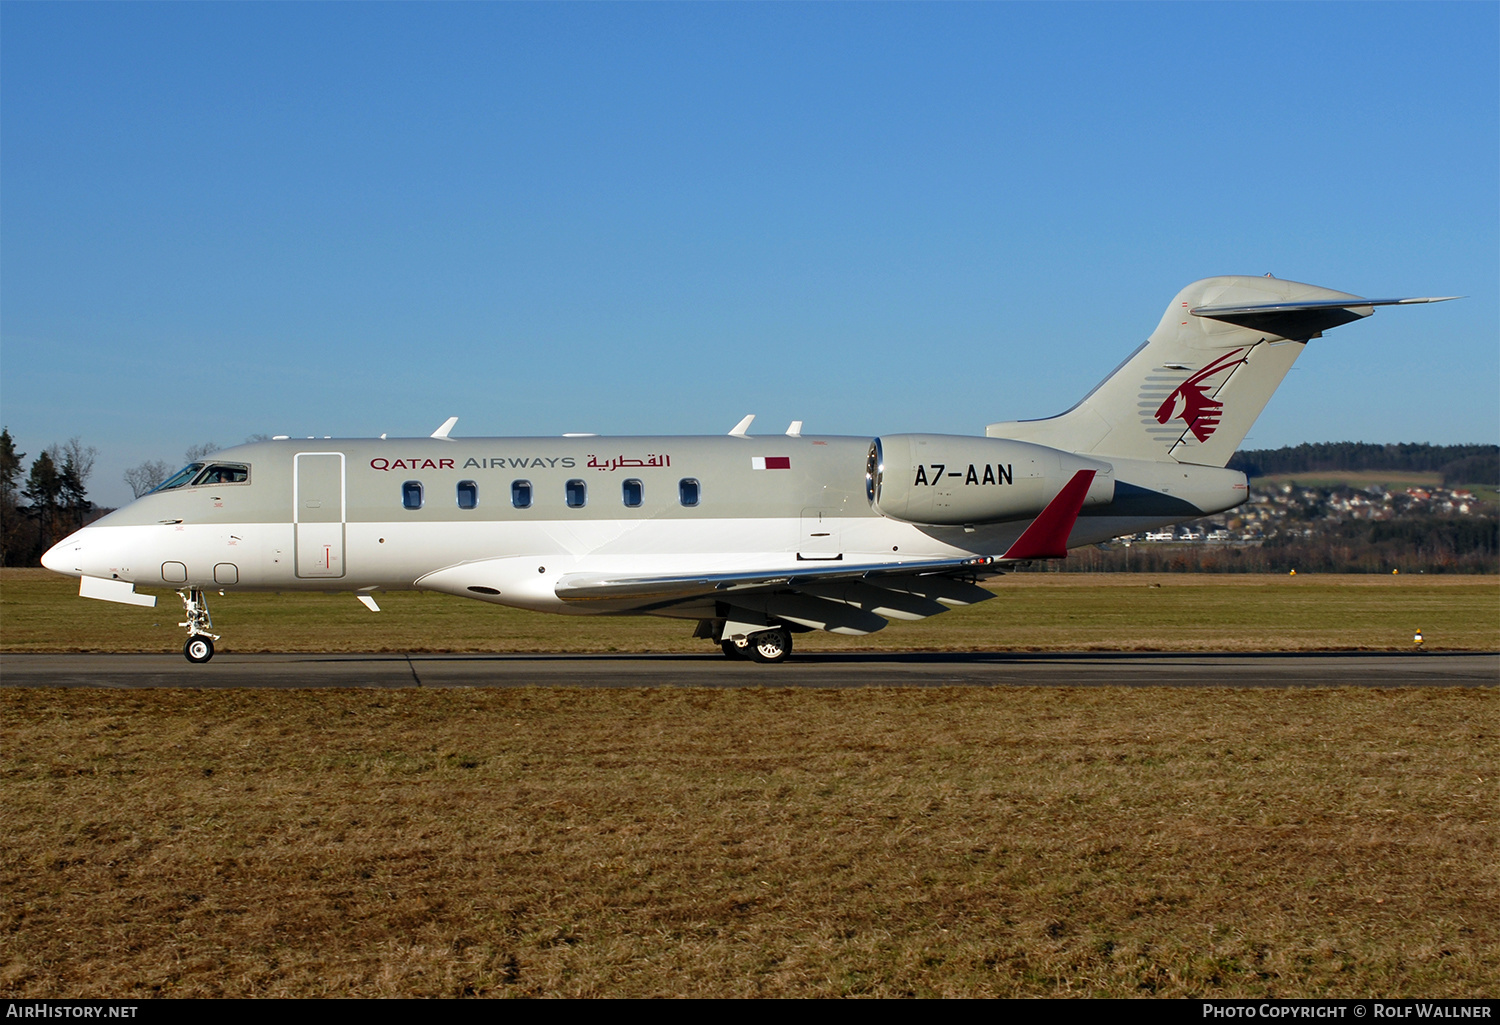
468	494
180	478
411	494
578	494
520	494
223	473
635	493
687	491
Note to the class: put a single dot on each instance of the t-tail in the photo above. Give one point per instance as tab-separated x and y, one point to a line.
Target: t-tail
1192	391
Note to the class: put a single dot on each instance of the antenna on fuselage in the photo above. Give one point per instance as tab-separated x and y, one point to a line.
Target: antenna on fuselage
740	429
795	430
442	432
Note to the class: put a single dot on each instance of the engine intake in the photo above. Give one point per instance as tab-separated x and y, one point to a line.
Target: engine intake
951	480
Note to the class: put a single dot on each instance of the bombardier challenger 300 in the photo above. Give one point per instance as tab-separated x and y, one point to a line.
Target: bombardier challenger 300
754	538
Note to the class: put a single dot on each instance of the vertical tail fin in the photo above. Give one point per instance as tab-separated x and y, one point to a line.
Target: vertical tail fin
1191	393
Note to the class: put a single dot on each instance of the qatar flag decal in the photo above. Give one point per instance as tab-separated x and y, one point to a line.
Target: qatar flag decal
771	462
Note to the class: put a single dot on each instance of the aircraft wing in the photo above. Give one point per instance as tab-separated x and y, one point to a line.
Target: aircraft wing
585	587
847	599
851	599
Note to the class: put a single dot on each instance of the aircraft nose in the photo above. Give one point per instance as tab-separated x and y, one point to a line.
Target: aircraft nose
63	557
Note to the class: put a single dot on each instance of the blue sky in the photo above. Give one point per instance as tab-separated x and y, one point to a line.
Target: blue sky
348	219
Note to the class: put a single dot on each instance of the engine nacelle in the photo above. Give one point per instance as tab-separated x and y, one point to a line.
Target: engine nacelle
951	480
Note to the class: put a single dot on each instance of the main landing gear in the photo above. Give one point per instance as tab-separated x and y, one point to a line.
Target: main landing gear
767	646
200	643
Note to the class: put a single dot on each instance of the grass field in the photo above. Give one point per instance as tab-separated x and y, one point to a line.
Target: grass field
890	842
946	842
40	611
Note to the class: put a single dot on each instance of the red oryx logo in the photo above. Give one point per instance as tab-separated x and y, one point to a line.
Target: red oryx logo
1190	402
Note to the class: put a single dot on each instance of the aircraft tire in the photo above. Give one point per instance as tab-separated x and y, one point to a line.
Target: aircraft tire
770	646
734	651
198	649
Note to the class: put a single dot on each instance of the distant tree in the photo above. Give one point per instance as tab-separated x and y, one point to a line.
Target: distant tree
44	487
198	452
258	437
145	477
72	499
81	456
10	519
10	466
1354	455
1480	469
75	464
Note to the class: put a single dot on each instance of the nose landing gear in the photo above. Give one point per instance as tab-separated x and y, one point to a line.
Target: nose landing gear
200	643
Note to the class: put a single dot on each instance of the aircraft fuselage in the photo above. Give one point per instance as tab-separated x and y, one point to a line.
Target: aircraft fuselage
362	515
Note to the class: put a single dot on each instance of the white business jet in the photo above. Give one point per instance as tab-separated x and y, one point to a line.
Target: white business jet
753	537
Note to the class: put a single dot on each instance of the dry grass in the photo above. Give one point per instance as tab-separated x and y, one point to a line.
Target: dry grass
40	611
750	842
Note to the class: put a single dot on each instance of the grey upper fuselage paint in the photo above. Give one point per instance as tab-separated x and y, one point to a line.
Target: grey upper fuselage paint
825	473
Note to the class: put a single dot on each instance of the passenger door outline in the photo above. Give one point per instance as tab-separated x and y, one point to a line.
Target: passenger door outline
318	502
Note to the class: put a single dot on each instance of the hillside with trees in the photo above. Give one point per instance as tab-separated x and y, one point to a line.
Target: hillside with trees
1458	464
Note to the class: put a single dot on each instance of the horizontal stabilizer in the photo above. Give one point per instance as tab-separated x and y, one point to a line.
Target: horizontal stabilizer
1300	321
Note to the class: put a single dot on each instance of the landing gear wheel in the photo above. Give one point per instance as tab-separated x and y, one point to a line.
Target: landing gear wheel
770	646
198	649
200	642
734	651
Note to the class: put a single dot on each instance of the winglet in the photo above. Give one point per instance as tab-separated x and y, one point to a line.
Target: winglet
1047	537
442	432
739	429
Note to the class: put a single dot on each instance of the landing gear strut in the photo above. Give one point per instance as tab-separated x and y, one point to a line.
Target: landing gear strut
200	643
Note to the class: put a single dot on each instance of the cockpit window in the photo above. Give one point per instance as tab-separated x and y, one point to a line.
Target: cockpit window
181	478
223	473
202	474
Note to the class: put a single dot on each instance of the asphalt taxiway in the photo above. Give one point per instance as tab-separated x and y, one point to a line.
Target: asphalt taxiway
864	669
